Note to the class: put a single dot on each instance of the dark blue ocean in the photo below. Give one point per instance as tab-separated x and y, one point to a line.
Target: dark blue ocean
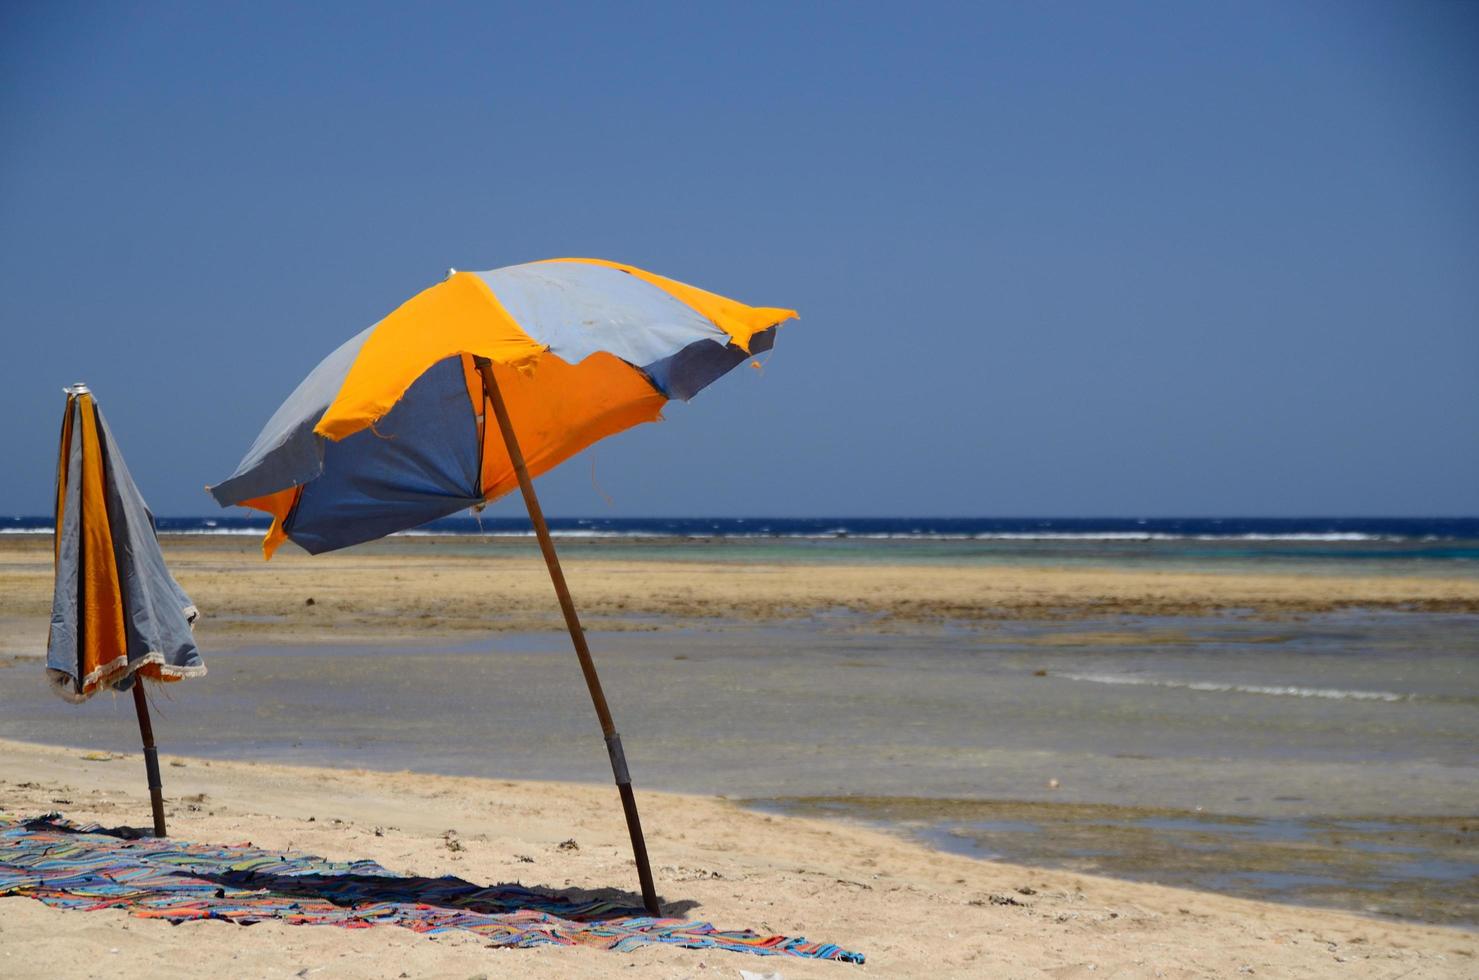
1428	529
1449	545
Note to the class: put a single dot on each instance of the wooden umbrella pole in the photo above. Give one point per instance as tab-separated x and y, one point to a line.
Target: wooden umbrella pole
577	635
151	758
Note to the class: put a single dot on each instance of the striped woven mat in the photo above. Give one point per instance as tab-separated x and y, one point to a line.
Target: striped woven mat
70	866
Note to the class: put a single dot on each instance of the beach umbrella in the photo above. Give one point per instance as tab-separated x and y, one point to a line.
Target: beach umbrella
475	386
117	615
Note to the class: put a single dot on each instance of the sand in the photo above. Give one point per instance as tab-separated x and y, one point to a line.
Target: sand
409	587
914	912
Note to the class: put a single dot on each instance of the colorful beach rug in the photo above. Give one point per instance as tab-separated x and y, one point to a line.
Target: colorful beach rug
70	866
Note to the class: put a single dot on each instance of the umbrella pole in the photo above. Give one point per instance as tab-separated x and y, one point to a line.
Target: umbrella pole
577	636
151	758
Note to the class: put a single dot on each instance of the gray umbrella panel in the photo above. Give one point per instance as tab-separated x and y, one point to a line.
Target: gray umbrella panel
157	616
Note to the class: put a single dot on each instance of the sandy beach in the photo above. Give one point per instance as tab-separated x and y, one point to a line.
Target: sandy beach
913	911
1014	655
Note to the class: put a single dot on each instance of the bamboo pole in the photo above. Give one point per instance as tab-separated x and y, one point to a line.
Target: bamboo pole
151	758
577	636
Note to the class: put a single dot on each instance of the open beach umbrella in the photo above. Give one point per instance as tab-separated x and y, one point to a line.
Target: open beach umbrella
117	615
392	429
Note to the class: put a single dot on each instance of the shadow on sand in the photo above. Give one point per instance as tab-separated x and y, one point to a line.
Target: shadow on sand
356	888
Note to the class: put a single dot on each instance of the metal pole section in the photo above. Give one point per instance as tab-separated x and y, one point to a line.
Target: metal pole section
151	758
577	635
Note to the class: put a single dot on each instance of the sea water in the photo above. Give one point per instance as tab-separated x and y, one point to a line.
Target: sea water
1329	759
1402	546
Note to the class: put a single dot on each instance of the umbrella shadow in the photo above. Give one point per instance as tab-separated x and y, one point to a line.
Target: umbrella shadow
53	823
351	889
354	888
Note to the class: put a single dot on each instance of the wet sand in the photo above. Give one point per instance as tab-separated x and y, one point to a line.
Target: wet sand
409	587
1219	753
1424	868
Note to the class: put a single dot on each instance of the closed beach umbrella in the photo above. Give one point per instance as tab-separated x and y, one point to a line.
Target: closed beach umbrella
117	615
473	387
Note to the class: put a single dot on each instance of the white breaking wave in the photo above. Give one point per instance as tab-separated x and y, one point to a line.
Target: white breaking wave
213	531
554	533
196	531
1164	536
1287	691
1331	536
833	534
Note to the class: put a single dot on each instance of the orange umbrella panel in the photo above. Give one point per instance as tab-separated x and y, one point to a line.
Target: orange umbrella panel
475	386
116	613
391	430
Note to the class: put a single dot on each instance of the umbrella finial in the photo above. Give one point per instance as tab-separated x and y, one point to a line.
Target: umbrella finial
451	273
77	388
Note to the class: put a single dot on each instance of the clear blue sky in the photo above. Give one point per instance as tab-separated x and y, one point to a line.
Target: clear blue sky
1059	259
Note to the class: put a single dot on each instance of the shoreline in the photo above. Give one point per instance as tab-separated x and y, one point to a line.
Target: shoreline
1333	863
912	910
1356	863
1031	759
1349	861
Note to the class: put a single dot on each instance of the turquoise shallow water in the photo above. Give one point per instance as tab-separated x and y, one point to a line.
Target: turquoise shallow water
1454	559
